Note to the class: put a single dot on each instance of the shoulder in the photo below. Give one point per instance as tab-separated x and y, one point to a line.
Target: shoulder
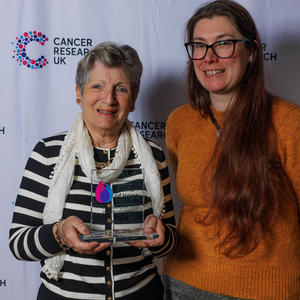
55	139
182	120
50	146
156	150
285	113
282	106
181	112
182	117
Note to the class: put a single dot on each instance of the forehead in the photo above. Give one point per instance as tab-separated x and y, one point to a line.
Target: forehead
215	28
100	71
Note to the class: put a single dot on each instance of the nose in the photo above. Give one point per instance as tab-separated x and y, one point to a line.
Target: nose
109	97
210	56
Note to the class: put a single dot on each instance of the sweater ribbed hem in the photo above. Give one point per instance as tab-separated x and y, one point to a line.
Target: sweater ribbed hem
243	281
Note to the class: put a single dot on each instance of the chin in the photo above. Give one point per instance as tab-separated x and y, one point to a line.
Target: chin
215	90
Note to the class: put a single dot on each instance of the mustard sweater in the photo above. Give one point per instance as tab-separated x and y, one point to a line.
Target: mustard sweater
272	270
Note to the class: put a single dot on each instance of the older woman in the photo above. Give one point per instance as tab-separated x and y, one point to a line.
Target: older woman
235	149
53	204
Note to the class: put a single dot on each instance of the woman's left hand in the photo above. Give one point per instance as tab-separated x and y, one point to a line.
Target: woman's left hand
152	224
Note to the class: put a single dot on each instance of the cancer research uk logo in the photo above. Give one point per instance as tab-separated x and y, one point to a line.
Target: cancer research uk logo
58	48
20	53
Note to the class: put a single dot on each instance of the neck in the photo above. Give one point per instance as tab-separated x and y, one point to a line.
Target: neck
221	102
104	140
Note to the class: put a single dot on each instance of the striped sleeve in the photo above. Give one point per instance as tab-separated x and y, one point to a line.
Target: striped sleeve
29	238
167	215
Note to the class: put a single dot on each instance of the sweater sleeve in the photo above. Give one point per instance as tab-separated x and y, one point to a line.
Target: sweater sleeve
29	238
167	216
289	148
171	143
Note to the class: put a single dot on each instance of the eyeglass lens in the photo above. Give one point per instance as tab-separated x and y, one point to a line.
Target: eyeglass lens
222	49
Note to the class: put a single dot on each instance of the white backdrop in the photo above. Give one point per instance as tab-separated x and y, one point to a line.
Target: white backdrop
36	103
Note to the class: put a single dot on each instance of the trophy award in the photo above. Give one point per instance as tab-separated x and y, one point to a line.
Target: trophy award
117	210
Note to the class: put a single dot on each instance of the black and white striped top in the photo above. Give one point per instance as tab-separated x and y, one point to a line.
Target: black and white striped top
118	272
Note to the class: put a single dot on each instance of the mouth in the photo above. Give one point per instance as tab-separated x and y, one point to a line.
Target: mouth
213	72
106	112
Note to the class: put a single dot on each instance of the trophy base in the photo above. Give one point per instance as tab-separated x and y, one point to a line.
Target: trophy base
120	235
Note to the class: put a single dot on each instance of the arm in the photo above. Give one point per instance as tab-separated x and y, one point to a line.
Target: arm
29	238
171	142
289	148
166	225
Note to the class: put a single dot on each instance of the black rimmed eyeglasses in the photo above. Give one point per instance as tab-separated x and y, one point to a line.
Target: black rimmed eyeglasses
222	49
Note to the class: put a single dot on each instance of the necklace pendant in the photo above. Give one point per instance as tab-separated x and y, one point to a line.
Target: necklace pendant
104	164
101	165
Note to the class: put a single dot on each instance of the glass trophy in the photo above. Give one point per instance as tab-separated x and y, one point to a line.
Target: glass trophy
117	210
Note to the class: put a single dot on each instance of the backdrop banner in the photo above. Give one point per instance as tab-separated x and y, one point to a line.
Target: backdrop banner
42	42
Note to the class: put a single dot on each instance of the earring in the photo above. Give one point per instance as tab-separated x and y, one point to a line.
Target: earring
78	101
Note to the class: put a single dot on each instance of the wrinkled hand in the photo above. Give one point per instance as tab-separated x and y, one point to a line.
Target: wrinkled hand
152	224
70	228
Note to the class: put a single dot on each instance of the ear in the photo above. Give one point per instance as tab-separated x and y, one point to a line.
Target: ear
132	107
252	52
251	55
78	93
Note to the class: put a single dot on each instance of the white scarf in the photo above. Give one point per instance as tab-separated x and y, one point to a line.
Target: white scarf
78	143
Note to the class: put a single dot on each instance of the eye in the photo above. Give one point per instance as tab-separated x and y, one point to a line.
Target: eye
223	44
96	86
122	89
199	46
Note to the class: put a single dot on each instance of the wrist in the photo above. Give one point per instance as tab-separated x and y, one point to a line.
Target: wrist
56	230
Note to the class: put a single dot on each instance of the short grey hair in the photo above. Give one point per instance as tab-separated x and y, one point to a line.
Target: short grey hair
111	55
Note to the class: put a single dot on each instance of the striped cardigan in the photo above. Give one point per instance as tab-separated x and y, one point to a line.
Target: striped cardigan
118	272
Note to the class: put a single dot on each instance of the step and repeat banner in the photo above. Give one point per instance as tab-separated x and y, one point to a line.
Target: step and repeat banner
38	83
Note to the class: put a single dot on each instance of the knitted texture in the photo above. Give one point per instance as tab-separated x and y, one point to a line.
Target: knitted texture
272	270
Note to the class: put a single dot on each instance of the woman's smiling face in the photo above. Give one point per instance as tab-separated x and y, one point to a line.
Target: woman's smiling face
106	100
220	76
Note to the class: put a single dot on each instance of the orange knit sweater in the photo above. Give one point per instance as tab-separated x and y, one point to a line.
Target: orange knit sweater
272	270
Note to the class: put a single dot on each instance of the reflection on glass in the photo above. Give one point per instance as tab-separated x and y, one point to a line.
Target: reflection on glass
118	206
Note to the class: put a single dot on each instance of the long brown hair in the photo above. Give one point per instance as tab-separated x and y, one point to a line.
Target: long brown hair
245	176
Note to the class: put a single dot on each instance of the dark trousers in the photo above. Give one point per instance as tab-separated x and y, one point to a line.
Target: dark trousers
178	290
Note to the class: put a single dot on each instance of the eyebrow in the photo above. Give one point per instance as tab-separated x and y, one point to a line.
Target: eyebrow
116	84
104	82
218	37
123	82
96	80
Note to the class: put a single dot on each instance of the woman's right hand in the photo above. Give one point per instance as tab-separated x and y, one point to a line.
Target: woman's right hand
69	229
